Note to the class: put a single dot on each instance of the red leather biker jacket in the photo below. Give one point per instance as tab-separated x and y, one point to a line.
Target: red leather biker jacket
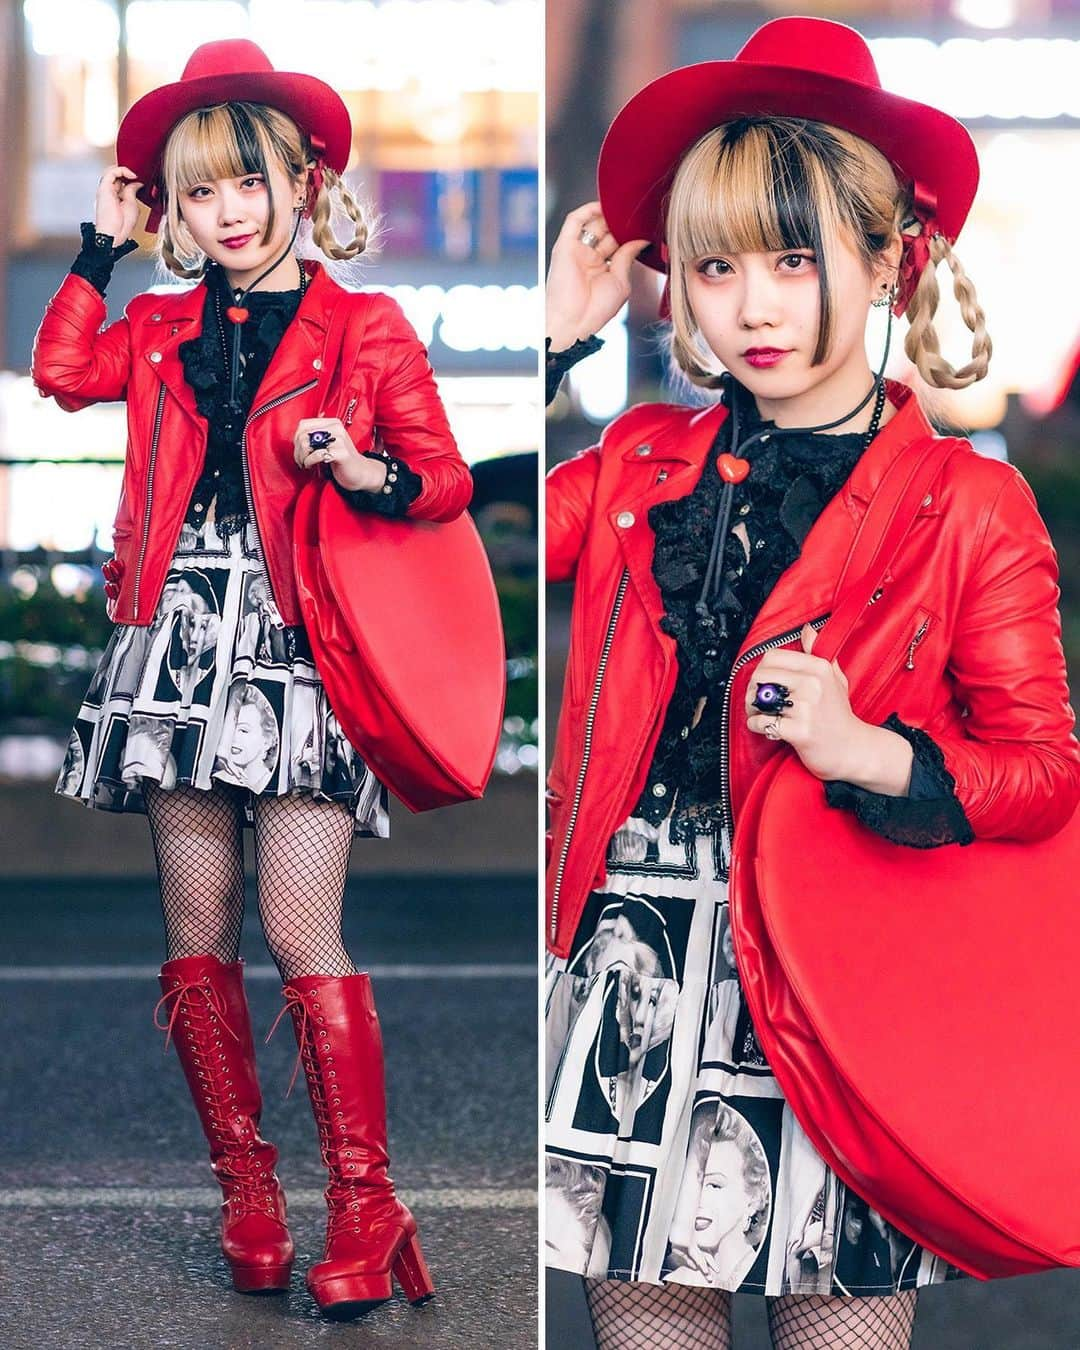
964	640
390	389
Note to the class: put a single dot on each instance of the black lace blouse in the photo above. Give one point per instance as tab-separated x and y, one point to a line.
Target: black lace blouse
790	482
203	359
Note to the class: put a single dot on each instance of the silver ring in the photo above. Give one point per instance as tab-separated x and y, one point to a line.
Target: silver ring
587	237
772	729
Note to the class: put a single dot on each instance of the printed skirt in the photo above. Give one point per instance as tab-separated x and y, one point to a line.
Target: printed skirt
213	692
671	1153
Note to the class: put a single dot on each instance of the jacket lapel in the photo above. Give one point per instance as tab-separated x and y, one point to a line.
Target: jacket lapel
180	317
678	452
808	588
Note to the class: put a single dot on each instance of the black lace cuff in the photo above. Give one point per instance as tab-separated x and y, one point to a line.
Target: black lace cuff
929	816
401	489
97	256
558	363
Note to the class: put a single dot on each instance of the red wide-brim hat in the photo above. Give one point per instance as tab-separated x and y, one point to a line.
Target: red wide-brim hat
230	71
791	67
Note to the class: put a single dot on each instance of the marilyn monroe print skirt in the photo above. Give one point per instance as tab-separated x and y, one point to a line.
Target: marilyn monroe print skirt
212	692
671	1153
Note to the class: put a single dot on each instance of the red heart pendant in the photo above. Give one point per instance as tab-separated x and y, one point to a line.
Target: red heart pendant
732	470
236	315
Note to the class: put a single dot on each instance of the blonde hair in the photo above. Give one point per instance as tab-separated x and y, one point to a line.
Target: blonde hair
770	183
231	139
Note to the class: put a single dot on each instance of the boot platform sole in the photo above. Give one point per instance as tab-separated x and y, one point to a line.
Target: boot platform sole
261	1279
347	1296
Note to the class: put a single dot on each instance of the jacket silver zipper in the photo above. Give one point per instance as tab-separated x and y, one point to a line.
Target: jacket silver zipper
349	411
725	714
275	613
590	719
909	664
149	493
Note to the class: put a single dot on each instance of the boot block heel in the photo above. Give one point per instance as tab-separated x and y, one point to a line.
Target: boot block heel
411	1272
261	1279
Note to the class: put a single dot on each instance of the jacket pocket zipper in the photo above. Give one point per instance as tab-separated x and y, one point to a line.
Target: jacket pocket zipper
149	494
920	633
590	719
347	419
759	649
275	613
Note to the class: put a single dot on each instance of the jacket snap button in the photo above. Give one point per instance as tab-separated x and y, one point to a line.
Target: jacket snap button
659	790
624	519
928	499
155	356
643	450
156	318
317	363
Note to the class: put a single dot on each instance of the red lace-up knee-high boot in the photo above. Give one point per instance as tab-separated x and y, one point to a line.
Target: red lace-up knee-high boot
209	1023
370	1234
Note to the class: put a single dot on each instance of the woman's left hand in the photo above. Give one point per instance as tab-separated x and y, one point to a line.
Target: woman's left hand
347	464
820	725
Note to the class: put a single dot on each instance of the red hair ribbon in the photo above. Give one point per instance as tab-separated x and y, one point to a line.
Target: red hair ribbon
153	220
315	180
916	254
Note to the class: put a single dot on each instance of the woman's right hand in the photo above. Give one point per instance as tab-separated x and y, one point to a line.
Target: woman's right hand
587	284
116	209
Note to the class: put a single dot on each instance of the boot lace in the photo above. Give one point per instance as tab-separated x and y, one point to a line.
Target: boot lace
249	1187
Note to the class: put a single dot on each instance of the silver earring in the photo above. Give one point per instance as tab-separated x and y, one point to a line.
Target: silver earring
888	298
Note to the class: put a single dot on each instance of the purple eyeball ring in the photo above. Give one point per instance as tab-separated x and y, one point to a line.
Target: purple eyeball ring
772	698
319	440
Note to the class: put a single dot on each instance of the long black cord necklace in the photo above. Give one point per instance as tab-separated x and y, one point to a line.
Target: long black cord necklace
733	468
238	316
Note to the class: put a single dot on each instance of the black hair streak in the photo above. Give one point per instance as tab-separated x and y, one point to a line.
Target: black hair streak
792	198
251	156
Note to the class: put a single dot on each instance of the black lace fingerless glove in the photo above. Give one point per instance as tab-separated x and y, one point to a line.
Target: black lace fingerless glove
929	816
401	489
97	256
558	363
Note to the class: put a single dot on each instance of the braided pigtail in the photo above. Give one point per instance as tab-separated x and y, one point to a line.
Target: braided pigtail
322	232
687	364
171	256
921	343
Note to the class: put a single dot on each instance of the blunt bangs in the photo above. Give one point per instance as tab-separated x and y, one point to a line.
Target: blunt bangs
225	141
752	190
760	185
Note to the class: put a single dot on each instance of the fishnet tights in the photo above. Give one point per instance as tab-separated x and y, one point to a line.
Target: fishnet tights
818	1322
301	862
632	1316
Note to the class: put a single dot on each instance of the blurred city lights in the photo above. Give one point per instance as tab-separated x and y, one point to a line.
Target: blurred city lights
600	383
968	77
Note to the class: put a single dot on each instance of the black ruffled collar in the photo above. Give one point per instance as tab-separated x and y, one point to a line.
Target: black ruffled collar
791	480
202	356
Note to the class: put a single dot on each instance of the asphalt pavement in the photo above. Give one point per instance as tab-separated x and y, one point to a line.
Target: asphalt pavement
108	1212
